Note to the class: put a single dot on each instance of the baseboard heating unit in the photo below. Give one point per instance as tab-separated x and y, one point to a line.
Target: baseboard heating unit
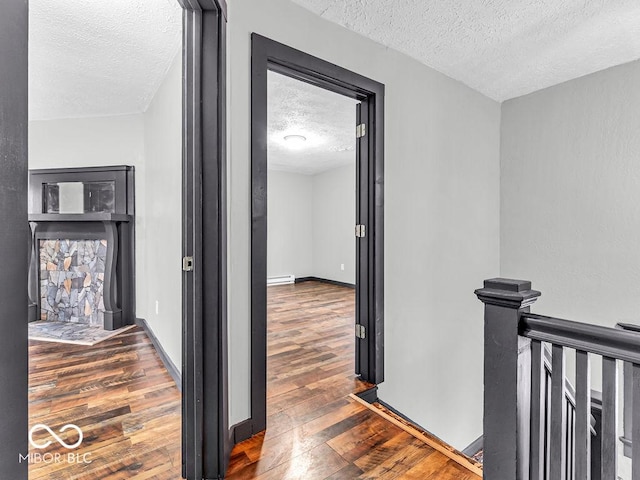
281	280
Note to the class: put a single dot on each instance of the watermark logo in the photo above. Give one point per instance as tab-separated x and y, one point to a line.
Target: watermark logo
37	457
68	426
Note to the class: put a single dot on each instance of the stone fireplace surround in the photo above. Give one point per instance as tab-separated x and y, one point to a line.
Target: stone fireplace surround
72	280
90	277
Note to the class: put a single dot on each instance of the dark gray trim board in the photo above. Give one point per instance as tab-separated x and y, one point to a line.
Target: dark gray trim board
206	445
240	431
268	55
474	447
14	238
369	396
166	361
324	280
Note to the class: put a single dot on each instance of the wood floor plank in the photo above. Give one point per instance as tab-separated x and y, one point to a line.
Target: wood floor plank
315	430
121	396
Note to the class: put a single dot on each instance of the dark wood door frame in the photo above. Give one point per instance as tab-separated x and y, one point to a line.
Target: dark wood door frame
270	55
206	442
14	238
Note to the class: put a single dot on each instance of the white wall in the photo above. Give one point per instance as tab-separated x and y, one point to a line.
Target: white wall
441	212
334	219
289	225
163	226
94	142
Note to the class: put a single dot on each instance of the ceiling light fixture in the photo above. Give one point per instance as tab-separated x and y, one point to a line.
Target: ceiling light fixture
295	140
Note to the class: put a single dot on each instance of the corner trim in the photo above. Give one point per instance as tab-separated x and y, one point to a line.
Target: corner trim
166	361
324	280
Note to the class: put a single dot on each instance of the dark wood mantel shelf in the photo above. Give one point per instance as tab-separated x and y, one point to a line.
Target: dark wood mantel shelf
79	217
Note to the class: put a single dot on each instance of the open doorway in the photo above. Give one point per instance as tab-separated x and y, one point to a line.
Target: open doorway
311	250
367	97
203	231
105	155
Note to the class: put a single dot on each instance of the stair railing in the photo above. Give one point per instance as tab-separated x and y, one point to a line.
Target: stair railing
531	429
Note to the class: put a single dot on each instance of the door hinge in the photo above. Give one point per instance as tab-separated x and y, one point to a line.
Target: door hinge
360	231
361	130
361	331
187	264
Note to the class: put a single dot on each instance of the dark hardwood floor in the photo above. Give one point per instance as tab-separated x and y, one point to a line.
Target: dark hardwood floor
121	396
314	429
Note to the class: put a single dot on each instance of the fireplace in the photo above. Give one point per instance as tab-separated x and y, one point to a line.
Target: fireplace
72	280
82	254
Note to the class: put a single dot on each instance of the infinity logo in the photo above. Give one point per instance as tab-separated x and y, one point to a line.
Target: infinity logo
40	426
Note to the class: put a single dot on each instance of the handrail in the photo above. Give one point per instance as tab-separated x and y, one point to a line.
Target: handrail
605	341
531	424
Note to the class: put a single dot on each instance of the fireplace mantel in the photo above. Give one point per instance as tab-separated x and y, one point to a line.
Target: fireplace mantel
63	235
79	217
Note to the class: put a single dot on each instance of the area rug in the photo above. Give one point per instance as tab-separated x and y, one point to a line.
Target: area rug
67	332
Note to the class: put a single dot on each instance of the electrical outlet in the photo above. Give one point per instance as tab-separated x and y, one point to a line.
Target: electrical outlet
342	266
157	307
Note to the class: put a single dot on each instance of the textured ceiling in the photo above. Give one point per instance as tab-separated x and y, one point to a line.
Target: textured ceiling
502	48
94	58
326	119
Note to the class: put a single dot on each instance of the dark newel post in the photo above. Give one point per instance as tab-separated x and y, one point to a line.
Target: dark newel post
507	379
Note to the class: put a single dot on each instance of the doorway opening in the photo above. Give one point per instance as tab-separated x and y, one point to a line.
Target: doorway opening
204	394
105	152
311	251
270	58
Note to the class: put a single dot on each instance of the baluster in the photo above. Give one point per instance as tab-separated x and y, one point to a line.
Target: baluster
609	418
558	468
538	393
583	417
635	429
571	424
547	412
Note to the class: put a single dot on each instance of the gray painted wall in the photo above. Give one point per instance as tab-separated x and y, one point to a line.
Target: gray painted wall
290	225
570	204
334	219
14	238
163	213
311	224
441	213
